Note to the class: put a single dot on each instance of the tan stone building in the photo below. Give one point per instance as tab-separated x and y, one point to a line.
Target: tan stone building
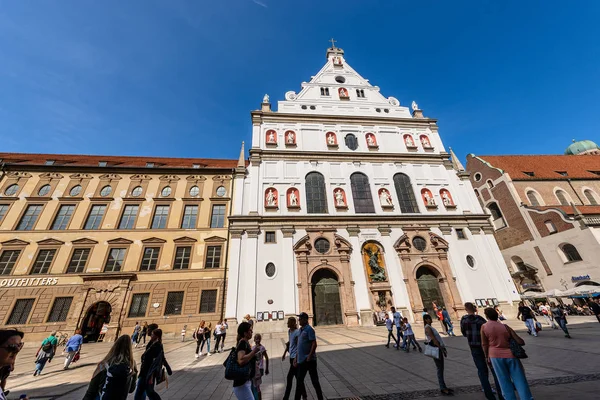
86	240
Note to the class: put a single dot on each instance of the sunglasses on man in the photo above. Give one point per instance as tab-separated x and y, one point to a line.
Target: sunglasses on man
13	348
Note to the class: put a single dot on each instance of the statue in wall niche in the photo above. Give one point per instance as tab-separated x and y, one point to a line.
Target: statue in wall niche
343	92
371	140
339	198
425	141
414	106
446	198
291	137
293	198
408	140
271	200
429	200
331	139
384	198
266	98
271	137
377	272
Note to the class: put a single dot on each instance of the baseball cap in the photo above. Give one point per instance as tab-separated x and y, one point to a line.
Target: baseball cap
303	315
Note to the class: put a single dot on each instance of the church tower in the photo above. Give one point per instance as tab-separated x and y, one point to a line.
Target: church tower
350	205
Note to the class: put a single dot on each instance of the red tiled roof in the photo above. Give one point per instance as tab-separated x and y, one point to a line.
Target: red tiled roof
79	160
585	210
546	166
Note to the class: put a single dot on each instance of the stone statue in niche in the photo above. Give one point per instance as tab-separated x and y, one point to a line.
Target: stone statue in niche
339	198
371	141
429	200
331	139
343	92
266	98
408	140
425	141
271	199
384	198
291	137
446	199
293	199
414	106
337	60
377	272
271	137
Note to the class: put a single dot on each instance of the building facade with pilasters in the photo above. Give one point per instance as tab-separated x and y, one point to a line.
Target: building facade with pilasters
350	205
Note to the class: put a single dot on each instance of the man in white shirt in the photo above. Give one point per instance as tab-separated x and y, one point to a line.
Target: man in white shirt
397	315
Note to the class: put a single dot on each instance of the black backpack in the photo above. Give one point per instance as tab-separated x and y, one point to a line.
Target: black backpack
118	382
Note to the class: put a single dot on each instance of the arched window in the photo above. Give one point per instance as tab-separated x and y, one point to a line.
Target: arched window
590	196
316	194
518	264
405	193
532	196
361	193
562	197
570	252
490	183
351	141
497	217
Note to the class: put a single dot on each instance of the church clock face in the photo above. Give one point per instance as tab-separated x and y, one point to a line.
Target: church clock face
221	191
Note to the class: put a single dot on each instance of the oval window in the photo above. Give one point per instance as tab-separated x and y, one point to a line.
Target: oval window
166	192
75	190
340	79
322	245
137	191
11	190
194	191
221	191
44	190
419	243
477	177
471	261
270	270
106	190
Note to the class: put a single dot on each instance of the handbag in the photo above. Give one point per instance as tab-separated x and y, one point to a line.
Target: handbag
538	326
162	377
76	357
235	371
515	348
431	351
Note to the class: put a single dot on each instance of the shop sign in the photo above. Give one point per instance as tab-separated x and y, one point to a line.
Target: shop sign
580	278
22	282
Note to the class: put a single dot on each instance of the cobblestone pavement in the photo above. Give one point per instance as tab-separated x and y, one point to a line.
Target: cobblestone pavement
353	363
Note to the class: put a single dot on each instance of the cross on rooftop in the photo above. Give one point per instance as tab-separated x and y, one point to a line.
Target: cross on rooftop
332	43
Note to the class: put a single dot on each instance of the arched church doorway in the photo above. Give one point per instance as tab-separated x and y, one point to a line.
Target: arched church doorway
96	316
326	298
429	289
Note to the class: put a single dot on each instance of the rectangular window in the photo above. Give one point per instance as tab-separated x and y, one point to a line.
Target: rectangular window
190	215
94	219
60	309
324	91
460	233
43	261
270	237
150	259
174	303
139	303
182	257
20	312
3	210
115	260
78	261
129	215
360	93
8	260
61	221
551	227
217	220
159	221
29	218
208	301
213	257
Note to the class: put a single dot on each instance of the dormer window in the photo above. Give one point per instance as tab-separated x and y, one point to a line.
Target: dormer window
595	172
529	173
196	166
102	163
49	162
324	91
563	173
360	93
149	165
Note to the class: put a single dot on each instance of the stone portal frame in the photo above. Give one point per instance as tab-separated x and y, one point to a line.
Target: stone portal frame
337	259
435	256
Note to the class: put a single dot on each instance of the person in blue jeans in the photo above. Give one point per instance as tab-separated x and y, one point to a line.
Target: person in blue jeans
495	341
73	347
560	318
306	359
447	322
398	322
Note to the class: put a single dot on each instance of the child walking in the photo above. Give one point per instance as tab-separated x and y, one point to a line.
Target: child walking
262	366
409	336
389	325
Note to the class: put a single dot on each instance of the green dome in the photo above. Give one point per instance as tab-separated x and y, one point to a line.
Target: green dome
581	146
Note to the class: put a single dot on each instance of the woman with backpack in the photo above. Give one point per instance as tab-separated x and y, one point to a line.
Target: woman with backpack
151	370
45	353
114	377
198	335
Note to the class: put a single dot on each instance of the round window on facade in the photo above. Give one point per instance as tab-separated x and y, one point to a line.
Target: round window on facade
270	270
322	245
340	79
477	177
471	261
137	191
44	190
419	243
194	191
11	190
106	190
221	191
166	192
75	190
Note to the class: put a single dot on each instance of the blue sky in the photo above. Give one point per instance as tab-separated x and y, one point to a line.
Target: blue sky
179	78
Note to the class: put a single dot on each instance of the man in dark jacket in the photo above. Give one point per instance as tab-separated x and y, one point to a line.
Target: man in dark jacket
470	326
595	307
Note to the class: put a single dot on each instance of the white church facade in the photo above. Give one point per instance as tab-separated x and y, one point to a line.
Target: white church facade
351	204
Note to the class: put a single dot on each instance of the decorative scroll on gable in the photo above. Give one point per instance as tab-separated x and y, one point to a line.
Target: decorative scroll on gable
169	178
196	178
110	177
80	176
50	176
141	177
18	174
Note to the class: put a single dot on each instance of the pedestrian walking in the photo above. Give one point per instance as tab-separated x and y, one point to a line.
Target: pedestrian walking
397	315
292	347
595	307
409	336
103	332
447	322
207	332
218	335
262	366
114	377
142	334
11	343
183	331
242	388
527	316
72	348
198	335
249	320
151	370
224	327
45	353
495	340
545	311
440	318
136	332
434	339
560	317
306	360
470	327
389	324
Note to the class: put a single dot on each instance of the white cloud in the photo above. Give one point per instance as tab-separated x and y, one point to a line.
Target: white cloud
260	3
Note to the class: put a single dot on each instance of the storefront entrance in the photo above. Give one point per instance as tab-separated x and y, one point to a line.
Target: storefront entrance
96	316
429	288
326	298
